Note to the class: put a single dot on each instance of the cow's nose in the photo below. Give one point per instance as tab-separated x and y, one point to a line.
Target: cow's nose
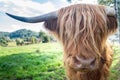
86	64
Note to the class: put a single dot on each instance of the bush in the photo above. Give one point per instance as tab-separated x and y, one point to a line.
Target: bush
3	41
3	44
19	42
45	39
33	40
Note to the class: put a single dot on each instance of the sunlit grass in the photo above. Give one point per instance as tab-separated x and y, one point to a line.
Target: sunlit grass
11	44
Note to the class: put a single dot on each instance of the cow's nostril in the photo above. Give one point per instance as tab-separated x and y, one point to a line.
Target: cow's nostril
93	62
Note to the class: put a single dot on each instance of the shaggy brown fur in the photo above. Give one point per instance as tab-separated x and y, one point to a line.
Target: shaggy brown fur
83	30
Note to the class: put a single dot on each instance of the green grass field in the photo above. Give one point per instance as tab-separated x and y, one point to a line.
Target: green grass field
40	62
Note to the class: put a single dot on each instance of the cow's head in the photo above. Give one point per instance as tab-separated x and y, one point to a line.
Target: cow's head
82	29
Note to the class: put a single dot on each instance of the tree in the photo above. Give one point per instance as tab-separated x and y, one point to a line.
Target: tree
117	4
19	42
33	40
3	41
41	34
106	2
45	39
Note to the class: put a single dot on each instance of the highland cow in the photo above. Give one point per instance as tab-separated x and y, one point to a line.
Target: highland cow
83	30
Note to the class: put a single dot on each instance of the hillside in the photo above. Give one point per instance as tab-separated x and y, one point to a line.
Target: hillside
19	33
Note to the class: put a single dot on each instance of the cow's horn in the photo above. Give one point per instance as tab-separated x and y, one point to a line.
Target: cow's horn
41	18
110	11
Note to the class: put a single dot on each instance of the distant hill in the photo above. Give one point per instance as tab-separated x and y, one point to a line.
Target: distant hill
6	34
22	33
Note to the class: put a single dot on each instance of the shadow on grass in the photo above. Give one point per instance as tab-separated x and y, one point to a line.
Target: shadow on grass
31	66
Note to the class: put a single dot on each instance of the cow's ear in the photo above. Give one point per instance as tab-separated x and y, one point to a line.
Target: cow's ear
112	24
51	25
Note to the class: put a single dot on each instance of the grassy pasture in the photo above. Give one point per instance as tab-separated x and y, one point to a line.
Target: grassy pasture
40	62
11	44
33	62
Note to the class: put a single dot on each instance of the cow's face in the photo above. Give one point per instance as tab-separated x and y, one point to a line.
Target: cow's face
82	29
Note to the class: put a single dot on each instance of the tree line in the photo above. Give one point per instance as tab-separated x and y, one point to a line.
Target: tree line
24	37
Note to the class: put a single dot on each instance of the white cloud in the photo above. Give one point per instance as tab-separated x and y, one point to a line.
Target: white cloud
26	7
23	8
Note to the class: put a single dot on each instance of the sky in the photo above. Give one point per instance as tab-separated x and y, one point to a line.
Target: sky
29	8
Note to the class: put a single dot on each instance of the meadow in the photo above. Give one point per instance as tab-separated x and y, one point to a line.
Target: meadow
41	62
